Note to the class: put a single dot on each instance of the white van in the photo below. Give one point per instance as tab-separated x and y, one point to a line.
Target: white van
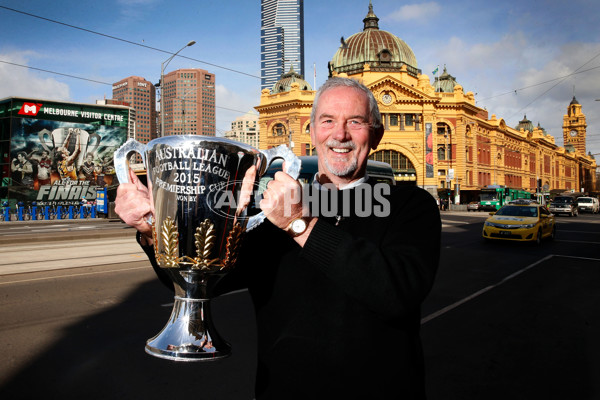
588	204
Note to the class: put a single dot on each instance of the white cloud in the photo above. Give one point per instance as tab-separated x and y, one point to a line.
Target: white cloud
575	66
17	80
132	10
415	12
231	105
513	77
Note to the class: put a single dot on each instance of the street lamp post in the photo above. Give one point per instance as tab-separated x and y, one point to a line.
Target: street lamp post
183	105
162	78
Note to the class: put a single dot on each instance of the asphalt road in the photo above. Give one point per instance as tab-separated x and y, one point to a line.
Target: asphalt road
504	320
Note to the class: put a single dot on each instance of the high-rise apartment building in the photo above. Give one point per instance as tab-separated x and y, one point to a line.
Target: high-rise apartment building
141	95
188	102
245	129
281	39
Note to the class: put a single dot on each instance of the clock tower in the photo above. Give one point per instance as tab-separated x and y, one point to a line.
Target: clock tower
574	126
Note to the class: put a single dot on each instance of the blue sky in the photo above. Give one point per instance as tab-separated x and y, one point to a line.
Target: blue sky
518	57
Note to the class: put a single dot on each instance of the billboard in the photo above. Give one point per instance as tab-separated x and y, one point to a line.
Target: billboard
63	160
428	151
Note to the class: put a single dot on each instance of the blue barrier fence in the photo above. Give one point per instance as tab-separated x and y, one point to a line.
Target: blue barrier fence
36	213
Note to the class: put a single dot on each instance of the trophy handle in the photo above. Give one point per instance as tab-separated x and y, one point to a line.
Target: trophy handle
121	158
292	168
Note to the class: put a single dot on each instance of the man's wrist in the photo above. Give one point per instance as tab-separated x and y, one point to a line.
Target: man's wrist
144	240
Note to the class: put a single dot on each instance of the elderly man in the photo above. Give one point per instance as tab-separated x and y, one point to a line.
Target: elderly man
337	298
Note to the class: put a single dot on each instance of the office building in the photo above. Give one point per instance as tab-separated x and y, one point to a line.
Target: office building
188	101
140	94
281	39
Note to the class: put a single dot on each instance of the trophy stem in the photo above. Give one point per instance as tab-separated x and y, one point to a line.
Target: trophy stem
189	335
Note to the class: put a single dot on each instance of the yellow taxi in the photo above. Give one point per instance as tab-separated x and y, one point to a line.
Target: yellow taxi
520	222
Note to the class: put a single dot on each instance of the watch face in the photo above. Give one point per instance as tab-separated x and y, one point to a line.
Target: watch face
298	226
573	133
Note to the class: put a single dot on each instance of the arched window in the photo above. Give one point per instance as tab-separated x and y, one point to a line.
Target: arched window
278	129
385	57
443	128
441	152
398	161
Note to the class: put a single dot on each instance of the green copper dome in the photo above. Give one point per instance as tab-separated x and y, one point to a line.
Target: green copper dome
284	84
382	50
445	82
525	124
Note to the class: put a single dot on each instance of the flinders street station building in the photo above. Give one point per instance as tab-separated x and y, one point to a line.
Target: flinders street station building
435	136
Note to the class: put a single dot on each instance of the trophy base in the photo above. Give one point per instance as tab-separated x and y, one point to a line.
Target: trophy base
189	354
189	335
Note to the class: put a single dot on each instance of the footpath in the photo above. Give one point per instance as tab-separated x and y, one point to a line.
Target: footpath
35	246
13	232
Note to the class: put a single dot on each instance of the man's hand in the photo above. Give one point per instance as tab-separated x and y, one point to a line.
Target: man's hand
282	204
282	200
133	205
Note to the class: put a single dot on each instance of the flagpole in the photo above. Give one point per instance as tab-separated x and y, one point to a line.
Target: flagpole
435	74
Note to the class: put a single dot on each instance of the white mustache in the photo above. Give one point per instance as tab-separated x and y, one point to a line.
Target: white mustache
340	145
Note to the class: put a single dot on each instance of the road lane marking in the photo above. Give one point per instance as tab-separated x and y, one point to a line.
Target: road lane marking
576	241
482	291
584	232
73	275
578	258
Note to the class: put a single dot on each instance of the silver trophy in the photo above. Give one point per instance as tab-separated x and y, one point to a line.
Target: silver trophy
197	224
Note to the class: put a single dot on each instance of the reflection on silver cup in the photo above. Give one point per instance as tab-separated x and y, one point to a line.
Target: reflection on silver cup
198	223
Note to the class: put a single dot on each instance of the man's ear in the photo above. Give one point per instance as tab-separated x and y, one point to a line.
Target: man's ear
376	136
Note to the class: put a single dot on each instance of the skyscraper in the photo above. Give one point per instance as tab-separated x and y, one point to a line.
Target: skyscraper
188	101
141	95
281	39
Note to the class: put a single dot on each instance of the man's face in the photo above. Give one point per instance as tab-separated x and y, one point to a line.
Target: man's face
342	135
44	155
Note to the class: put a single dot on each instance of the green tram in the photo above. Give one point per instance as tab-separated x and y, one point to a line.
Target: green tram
494	197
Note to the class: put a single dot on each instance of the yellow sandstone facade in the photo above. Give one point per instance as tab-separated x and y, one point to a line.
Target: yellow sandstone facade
435	136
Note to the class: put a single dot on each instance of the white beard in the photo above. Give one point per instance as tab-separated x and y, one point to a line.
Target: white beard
350	168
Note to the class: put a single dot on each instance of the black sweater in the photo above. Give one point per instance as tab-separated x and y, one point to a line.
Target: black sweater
340	318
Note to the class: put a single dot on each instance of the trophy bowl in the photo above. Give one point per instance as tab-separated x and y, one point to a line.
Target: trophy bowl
198	222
